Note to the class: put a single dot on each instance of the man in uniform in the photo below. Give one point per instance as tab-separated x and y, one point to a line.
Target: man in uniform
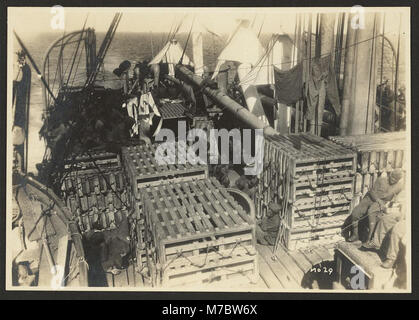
384	189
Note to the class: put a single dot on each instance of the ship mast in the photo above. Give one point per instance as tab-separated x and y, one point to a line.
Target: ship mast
40	75
359	78
103	49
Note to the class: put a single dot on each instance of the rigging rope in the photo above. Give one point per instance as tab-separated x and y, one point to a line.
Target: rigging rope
77	49
313	58
187	40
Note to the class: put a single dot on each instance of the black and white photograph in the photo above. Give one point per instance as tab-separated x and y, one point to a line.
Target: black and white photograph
221	149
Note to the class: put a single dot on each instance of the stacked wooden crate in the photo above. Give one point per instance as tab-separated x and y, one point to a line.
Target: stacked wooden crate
94	189
376	154
198	234
312	179
91	161
143	170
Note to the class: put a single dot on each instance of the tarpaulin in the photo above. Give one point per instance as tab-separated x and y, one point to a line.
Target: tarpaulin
321	85
243	47
171	54
263	72
254	105
289	85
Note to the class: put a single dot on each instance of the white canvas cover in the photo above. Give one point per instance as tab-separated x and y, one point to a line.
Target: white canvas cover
243	46
198	52
171	54
263	72
250	92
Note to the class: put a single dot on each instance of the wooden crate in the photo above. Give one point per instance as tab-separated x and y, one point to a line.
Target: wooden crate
98	199
170	110
200	234
352	262
313	181
140	236
143	170
376	154
89	162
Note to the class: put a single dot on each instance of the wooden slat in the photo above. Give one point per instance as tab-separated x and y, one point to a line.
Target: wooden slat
267	275
301	260
144	169
201	214
295	270
323	253
280	271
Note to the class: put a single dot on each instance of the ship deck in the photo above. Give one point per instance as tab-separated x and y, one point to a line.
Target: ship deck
283	270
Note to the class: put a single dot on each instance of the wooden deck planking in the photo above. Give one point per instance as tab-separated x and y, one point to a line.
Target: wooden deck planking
126	278
297	272
268	275
281	272
312	256
289	267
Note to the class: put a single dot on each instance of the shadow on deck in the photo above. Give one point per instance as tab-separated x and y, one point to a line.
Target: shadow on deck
295	269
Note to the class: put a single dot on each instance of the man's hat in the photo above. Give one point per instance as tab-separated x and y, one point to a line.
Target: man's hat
274	207
396	175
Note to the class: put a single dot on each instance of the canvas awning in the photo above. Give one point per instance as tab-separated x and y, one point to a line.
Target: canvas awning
171	54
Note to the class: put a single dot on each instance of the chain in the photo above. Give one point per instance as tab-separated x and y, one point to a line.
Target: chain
180	254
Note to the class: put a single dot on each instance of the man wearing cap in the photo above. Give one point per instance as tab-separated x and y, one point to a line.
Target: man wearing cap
384	189
382	219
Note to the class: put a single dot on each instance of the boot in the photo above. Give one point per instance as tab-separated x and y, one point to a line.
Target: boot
354	237
370	245
388	264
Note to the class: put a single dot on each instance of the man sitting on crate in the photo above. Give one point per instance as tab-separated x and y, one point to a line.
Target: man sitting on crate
390	238
383	219
383	191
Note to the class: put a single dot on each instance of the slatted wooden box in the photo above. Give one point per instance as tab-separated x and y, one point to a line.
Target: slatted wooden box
200	234
170	110
98	199
313	181
91	161
365	265
377	153
140	236
143	169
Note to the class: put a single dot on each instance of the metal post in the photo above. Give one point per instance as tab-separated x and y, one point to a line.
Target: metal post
397	74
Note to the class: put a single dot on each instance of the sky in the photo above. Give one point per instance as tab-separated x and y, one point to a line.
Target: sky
219	20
